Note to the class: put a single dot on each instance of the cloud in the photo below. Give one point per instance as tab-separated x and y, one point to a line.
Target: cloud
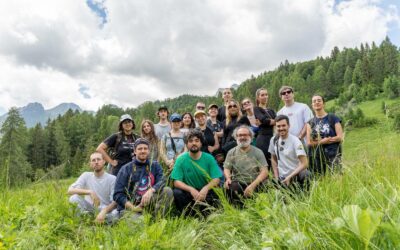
83	90
128	52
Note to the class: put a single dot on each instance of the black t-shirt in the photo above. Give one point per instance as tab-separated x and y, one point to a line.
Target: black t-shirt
215	127
265	116
209	139
221	114
124	150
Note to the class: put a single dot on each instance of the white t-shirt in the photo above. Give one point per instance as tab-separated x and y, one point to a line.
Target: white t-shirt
103	186
299	114
161	130
288	156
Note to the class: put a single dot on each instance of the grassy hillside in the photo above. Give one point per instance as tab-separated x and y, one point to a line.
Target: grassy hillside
358	209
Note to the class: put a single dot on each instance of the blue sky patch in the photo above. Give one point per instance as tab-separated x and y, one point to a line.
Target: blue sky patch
99	9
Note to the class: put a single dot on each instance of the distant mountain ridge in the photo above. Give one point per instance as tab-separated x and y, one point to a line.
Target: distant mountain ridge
34	113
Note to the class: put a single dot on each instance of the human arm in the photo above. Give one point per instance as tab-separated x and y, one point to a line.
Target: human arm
163	153
102	149
122	187
102	215
216	144
274	163
228	180
82	191
187	188
260	178
303	163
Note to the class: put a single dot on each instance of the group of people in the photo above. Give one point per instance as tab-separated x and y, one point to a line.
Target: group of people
182	159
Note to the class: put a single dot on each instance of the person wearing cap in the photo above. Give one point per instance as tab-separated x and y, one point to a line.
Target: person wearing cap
195	175
172	143
121	144
140	184
210	143
92	192
299	113
212	121
163	126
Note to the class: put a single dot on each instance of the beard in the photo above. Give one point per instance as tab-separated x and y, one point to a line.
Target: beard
244	143
194	149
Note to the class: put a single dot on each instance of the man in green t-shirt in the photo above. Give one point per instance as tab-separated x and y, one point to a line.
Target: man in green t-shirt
195	173
245	167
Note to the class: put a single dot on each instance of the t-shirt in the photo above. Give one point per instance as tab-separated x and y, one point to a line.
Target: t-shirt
322	127
299	114
124	148
287	152
245	166
195	173
103	186
161	130
209	139
179	145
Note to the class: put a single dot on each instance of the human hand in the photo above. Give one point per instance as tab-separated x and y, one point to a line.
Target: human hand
100	218
248	191
227	183
286	181
194	193
114	163
95	198
147	197
202	194
258	123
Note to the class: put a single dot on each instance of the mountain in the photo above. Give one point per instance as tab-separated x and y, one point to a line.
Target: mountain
34	113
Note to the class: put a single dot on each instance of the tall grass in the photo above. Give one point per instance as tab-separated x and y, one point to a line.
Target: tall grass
39	216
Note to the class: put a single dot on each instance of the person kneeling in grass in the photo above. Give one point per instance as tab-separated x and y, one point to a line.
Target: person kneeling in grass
97	187
195	174
245	167
140	184
289	159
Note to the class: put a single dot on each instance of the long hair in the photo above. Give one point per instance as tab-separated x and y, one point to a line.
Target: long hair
151	137
192	123
242	107
258	92
228	115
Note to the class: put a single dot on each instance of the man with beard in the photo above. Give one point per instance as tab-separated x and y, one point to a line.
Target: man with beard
289	159
195	174
245	167
140	184
97	187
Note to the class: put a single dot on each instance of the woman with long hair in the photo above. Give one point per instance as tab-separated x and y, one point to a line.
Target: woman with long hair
234	118
324	136
148	133
249	112
266	117
121	144
187	122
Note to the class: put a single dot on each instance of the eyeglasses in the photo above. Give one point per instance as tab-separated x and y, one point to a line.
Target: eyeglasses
286	92
243	135
201	107
232	106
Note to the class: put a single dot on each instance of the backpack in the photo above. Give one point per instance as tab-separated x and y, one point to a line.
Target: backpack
112	152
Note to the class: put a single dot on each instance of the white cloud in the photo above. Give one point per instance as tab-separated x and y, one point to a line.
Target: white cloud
151	50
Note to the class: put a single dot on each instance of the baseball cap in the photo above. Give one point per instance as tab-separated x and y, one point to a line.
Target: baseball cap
213	106
175	117
199	112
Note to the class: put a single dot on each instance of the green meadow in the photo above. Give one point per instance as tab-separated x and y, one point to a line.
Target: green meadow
358	209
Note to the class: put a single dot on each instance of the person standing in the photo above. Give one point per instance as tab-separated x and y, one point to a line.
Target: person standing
210	143
121	144
93	191
148	133
172	143
299	113
324	135
188	122
227	96
195	174
266	117
163	126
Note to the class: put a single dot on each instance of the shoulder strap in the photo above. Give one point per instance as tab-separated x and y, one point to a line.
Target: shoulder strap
172	143
118	140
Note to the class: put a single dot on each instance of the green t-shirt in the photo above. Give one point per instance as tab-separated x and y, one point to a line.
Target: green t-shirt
195	173
245	166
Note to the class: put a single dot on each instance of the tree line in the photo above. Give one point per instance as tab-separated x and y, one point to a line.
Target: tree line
61	147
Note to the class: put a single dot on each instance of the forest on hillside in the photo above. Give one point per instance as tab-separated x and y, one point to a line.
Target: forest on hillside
61	148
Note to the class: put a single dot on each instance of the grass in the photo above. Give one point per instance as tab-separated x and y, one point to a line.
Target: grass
39	216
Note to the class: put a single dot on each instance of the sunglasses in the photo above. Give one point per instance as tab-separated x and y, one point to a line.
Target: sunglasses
201	107
232	106
245	103
281	148
286	92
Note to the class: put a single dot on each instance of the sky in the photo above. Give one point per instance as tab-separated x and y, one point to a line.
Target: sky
98	52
